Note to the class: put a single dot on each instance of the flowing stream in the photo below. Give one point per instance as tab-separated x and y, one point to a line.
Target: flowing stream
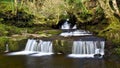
82	50
35	48
87	48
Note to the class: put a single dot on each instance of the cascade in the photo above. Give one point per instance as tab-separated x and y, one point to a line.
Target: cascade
30	45
87	48
74	32
74	27
36	48
46	46
66	25
41	46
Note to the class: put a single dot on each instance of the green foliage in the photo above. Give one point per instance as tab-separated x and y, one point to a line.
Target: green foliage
3	41
117	51
62	46
13	30
6	0
12	44
6	30
112	35
6	6
15	45
48	33
3	31
20	19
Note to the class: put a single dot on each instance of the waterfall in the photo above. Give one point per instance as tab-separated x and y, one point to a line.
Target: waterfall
87	48
74	32
41	46
7	48
66	25
74	27
31	43
36	48
45	46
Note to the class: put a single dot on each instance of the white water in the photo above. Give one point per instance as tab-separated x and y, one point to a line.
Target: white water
7	48
44	48
66	26
36	49
87	48
75	33
31	44
74	27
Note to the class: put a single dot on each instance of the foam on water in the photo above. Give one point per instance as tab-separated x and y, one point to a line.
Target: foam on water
41	54
22	53
81	55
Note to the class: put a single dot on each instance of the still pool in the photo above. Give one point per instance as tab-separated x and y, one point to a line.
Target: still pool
56	61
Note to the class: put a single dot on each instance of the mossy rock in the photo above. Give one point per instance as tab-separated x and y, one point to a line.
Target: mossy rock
13	45
62	46
49	33
3	41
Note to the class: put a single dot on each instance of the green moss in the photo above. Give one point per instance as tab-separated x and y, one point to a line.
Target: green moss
48	33
3	31
8	5
3	41
6	30
117	51
62	46
15	45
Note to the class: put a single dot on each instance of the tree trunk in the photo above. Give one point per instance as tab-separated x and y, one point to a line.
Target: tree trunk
114	21
21	3
15	7
116	7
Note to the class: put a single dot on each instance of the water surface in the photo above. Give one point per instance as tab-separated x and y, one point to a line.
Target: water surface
56	61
